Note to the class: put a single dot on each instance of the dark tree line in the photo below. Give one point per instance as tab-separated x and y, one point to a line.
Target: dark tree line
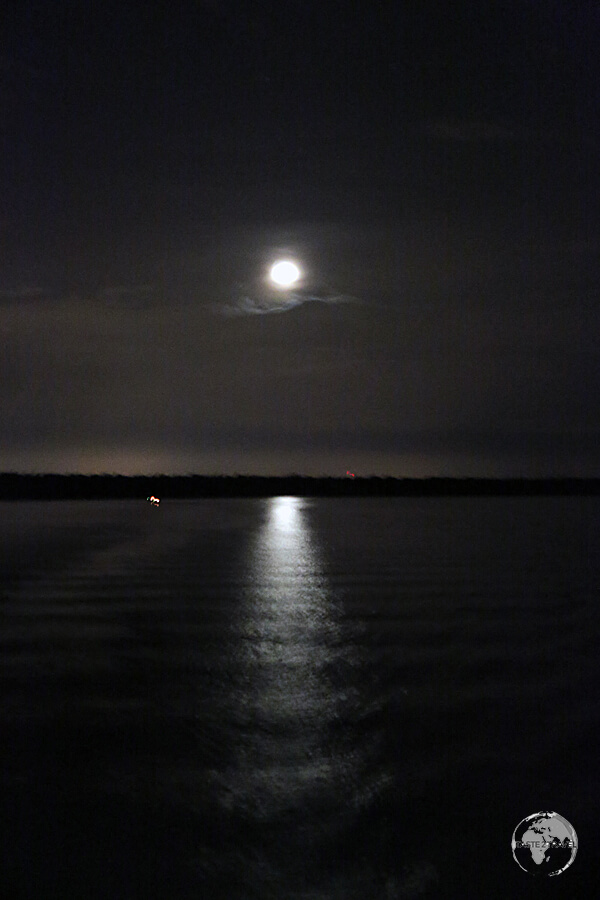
15	486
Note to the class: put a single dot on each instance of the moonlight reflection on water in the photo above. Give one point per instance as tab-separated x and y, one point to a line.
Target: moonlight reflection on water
293	768
290	640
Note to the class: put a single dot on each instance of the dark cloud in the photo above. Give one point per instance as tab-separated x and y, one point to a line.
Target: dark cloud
467	131
24	294
138	296
470	131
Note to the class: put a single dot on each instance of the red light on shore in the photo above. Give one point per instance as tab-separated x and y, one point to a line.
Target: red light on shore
351	474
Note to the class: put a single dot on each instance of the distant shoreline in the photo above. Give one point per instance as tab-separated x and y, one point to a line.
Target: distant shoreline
15	486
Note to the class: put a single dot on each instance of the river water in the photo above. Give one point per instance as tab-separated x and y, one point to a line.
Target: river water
296	698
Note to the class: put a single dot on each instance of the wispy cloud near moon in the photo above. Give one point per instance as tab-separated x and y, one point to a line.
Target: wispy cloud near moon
248	304
23	294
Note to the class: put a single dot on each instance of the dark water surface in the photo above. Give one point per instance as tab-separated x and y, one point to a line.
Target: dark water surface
289	698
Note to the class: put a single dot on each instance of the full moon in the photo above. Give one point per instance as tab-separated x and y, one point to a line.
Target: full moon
284	273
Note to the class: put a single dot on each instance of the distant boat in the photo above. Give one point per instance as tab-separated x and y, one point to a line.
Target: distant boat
153	500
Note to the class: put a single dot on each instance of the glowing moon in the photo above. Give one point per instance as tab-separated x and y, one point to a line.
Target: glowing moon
284	273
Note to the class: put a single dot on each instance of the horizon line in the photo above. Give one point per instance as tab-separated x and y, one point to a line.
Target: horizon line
346	477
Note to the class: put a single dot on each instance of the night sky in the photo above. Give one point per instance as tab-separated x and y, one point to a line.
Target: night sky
432	169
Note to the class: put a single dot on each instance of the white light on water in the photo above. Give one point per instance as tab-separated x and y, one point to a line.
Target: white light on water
285	513
289	644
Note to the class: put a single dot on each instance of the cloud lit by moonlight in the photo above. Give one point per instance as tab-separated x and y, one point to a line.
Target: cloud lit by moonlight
282	290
